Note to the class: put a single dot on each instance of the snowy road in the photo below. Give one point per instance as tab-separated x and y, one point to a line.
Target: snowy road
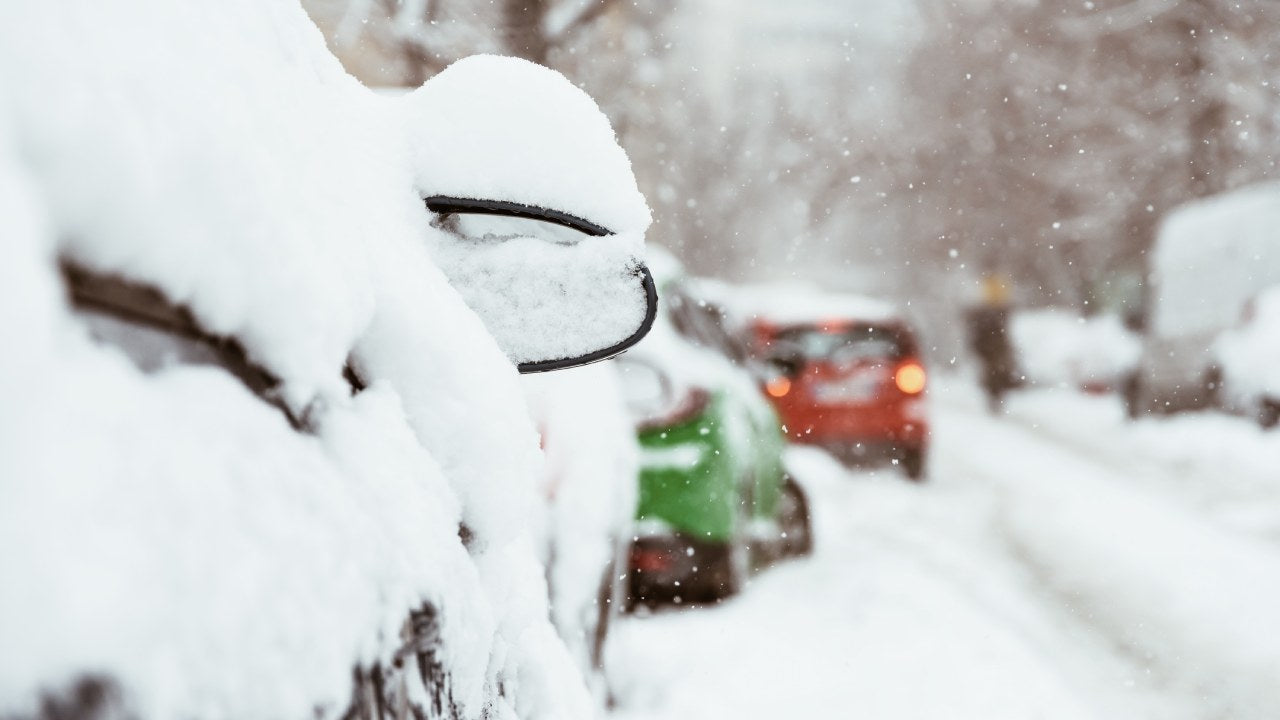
1046	571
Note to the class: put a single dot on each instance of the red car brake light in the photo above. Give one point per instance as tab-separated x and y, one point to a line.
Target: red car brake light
778	387
649	560
910	378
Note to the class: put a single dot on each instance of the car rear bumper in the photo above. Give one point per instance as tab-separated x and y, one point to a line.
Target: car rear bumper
678	567
860	452
845	426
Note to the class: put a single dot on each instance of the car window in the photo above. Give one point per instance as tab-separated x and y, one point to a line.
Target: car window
156	334
846	344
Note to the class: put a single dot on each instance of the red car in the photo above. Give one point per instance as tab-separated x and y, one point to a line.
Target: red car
853	386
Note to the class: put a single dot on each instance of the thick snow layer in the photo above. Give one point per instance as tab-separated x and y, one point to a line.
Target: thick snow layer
498	128
1249	354
787	304
904	611
175	533
1057	347
588	497
1211	256
1199	602
506	129
1104	518
171	530
1217	466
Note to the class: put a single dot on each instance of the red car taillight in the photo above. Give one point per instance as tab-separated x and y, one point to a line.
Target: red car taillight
910	378
646	560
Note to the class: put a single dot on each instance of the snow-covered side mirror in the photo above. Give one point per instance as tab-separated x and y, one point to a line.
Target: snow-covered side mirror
551	287
540	222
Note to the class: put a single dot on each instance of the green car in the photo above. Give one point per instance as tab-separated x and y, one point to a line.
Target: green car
715	501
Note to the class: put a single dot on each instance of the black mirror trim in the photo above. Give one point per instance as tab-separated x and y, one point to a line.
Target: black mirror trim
445	205
650	314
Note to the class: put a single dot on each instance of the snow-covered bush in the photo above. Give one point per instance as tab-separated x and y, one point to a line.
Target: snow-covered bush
168	529
1057	347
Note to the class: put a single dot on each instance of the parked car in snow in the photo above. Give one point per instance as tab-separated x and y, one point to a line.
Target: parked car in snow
263	448
1210	257
847	373
1249	355
715	500
1057	347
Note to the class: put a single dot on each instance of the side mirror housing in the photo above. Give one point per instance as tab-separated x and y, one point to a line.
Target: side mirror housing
540	221
552	288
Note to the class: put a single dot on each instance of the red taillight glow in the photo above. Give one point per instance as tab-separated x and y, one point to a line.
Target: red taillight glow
910	378
649	560
778	387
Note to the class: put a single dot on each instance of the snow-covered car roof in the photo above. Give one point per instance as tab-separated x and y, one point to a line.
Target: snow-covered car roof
1211	256
794	304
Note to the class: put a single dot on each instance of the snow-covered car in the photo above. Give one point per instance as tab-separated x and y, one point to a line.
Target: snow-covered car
1057	347
1249	356
716	501
1210	257
263	448
588	495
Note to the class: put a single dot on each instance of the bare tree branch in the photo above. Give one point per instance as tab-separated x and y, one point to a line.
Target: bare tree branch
558	30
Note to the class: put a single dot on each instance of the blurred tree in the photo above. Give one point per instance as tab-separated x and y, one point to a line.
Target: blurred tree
421	37
1044	140
533	28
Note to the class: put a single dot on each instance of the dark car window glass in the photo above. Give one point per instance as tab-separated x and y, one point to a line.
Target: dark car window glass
484	227
149	348
861	342
156	334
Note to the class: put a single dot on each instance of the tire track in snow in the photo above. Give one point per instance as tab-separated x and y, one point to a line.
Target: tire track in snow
1154	579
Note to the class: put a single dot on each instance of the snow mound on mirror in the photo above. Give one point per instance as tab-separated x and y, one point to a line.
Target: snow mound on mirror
560	153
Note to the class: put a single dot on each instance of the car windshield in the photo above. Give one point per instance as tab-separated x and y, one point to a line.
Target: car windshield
840	344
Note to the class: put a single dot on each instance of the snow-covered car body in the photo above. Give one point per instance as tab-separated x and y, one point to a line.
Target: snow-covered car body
337	476
1209	258
1249	355
1057	347
587	505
